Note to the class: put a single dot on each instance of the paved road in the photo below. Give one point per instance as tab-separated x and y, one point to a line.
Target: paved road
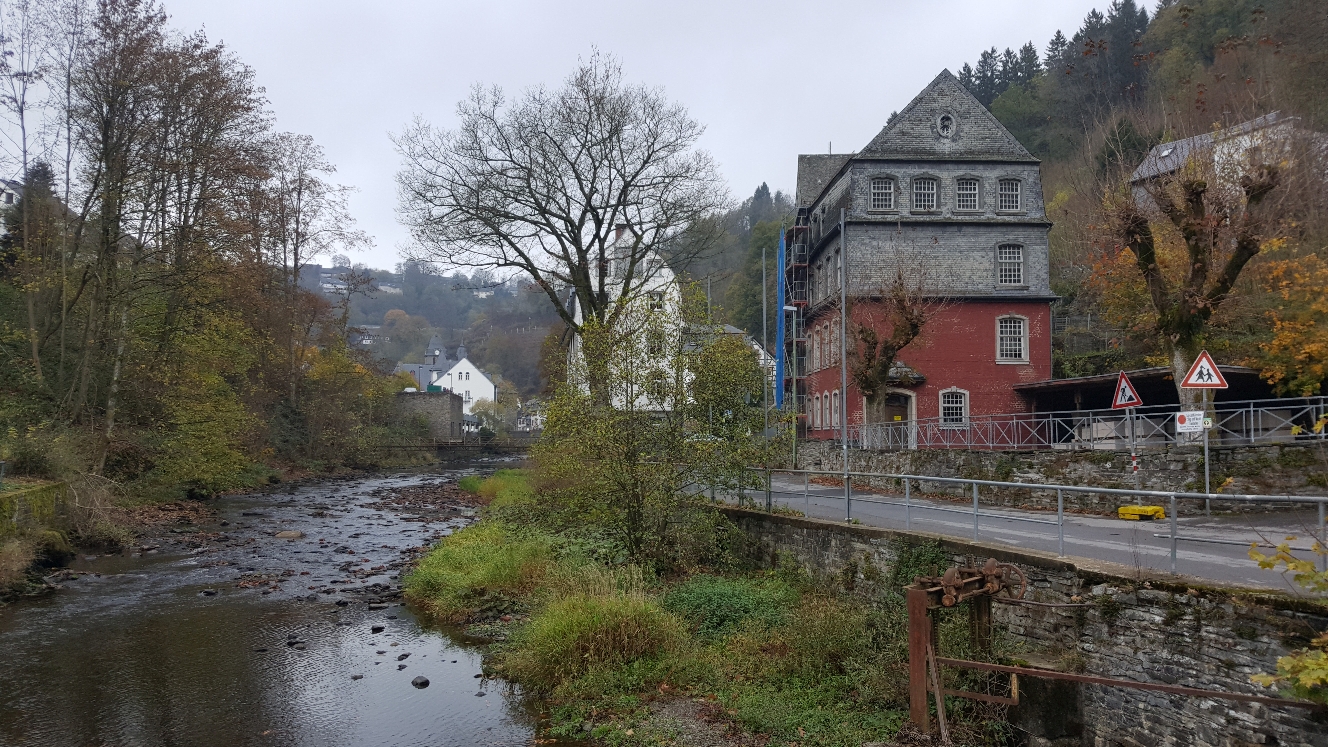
1222	557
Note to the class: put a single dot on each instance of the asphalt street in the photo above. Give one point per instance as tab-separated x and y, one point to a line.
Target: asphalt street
1214	548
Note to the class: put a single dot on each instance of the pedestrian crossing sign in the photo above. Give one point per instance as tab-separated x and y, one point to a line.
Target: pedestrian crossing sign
1126	396
1204	374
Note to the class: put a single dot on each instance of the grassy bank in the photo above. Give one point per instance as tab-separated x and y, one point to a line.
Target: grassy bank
770	654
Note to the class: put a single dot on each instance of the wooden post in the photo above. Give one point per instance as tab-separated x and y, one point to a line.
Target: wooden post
919	634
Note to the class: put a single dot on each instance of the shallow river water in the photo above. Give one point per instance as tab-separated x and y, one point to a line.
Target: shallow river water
231	636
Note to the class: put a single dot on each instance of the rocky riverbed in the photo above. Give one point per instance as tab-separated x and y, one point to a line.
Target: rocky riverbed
269	619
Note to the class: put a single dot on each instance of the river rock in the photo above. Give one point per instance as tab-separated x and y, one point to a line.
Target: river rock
479	694
420	682
289	534
377	606
208	592
400	667
378	628
360	677
404	656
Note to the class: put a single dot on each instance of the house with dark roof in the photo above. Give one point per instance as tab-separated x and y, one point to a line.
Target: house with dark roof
946	198
1223	154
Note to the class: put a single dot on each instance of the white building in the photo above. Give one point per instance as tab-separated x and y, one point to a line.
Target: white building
466	379
654	303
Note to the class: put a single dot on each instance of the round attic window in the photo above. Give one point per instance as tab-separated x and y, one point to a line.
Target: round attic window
945	125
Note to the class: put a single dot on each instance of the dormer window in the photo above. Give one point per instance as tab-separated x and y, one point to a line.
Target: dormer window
1009	195
966	194
882	194
924	194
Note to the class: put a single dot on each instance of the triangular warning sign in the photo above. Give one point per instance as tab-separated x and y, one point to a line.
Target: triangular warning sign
1204	374
1126	396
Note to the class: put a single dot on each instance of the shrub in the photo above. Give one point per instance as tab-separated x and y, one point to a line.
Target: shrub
470	484
583	632
453	581
714	606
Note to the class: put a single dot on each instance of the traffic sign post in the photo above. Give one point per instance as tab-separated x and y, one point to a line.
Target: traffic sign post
1127	398
1204	375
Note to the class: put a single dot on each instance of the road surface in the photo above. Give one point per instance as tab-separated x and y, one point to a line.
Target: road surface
1215	548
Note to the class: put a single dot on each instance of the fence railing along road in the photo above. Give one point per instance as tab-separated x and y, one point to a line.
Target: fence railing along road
1282	421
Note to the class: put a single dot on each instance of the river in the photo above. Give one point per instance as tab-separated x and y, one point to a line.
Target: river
224	634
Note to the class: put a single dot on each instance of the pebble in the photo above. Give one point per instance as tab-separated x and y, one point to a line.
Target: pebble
357	676
479	694
404	656
289	534
400	667
420	682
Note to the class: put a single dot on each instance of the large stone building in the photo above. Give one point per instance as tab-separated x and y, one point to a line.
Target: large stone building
946	203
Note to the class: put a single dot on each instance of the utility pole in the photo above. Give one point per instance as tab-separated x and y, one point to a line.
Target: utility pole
793	360
765	350
843	360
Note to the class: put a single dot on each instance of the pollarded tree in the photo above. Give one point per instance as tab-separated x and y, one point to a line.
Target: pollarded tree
542	184
1221	227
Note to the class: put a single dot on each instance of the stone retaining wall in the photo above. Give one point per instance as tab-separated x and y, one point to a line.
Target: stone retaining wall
1150	629
1268	470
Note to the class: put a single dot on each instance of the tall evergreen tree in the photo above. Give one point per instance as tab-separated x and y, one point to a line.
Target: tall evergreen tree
1029	64
1056	49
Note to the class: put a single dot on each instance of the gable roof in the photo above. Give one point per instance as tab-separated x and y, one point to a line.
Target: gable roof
1164	158
978	134
814	172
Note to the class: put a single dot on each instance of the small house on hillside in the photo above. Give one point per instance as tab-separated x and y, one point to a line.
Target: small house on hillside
1224	155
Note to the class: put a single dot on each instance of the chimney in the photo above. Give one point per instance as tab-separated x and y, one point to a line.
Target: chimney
619	230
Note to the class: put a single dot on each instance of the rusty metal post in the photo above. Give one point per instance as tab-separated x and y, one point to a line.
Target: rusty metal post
919	634
979	622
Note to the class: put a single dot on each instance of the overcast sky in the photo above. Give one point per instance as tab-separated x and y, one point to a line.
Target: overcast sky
769	80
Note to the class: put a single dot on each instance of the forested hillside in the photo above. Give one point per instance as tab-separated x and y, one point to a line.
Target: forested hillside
1093	103
156	335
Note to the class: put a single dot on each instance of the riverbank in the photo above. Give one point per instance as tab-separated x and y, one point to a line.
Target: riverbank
725	654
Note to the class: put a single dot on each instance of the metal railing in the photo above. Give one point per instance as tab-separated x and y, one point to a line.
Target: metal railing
1283	421
1168	498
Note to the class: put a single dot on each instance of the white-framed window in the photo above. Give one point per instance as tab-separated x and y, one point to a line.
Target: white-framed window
1012	339
656	299
825	409
966	194
816	412
1010	264
1009	195
882	194
954	407
834	408
924	194
467	395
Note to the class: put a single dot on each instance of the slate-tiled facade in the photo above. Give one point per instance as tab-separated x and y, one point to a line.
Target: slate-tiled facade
947	136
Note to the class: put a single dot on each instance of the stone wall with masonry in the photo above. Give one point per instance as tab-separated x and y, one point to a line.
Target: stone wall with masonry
1148	629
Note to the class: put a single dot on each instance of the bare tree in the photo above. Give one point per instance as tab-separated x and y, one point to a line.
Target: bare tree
540	186
883	323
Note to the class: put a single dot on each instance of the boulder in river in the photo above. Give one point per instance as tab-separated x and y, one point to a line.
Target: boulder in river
289	534
420	682
378	628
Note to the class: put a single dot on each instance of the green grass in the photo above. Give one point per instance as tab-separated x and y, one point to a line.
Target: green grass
575	634
459	577
470	484
714	605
